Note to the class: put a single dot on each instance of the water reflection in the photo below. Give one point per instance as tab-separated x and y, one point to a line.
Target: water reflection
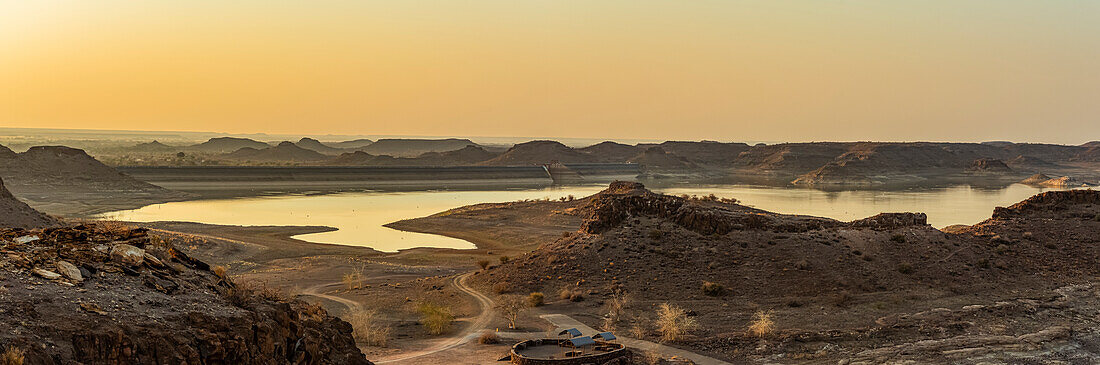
359	216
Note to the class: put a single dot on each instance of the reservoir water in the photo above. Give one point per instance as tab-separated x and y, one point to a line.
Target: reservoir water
359	216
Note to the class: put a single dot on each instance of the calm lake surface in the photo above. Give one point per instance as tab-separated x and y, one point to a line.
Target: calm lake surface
359	216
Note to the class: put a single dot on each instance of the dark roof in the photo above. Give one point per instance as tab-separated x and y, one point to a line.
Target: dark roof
572	332
605	336
582	341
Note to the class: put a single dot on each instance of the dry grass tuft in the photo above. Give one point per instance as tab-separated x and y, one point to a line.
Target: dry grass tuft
488	338
502	288
713	289
762	324
368	329
673	322
13	356
483	264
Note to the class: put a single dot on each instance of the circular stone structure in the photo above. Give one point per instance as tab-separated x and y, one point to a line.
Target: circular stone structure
549	351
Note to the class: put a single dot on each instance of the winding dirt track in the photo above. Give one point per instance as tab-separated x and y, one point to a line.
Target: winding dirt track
316	292
470	333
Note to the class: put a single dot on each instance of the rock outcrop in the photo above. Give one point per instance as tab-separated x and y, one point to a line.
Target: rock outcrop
167	308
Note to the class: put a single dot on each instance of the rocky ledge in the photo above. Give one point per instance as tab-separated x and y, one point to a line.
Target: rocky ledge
109	294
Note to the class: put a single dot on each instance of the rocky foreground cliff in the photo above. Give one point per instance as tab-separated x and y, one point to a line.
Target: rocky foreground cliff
108	294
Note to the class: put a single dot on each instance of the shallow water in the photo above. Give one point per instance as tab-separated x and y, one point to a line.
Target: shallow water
359	216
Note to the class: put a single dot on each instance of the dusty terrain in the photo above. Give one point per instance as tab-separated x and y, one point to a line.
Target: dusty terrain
1018	287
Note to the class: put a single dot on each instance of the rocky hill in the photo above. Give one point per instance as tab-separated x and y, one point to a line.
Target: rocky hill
656	158
17	214
283	152
352	144
613	152
658	246
414	147
227	144
538	153
104	294
317	146
469	155
62	180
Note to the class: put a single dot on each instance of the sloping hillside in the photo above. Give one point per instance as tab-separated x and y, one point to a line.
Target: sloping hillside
17	214
538	153
62	180
227	144
283	152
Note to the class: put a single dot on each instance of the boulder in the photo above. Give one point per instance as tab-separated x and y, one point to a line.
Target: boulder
70	271
128	255
47	274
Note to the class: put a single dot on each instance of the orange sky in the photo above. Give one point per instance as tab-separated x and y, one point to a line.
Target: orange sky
724	70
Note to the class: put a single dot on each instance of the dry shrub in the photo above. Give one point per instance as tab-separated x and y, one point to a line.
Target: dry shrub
13	356
354	279
113	226
483	264
713	289
368	329
536	299
238	296
616	308
673	322
565	293
637	331
762	324
651	358
905	268
488	338
576	297
437	319
504	259
221	272
502	288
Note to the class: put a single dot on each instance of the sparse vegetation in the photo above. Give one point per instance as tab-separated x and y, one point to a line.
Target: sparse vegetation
437	319
656	233
536	299
488	338
368	329
762	324
898	238
616	309
12	356
502	288
713	289
905	268
354	279
504	259
483	264
673	322
510	307
220	271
